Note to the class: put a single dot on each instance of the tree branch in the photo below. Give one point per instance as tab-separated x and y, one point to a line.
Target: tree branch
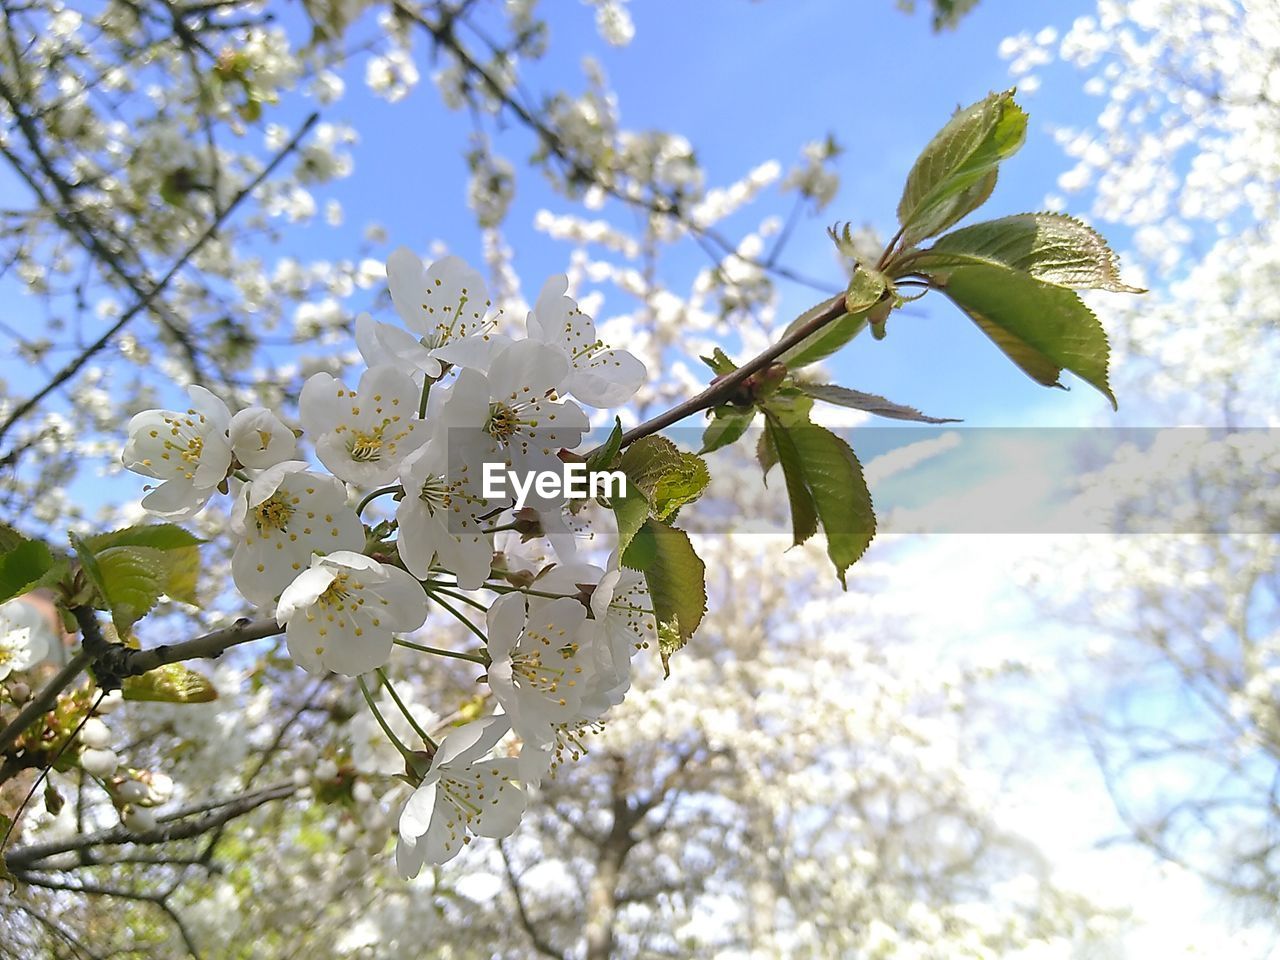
145	296
178	826
722	388
119	661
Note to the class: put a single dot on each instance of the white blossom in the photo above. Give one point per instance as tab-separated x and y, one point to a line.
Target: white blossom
340	613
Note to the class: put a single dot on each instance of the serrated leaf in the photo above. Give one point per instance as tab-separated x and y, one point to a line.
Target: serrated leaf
630	510
868	402
719	362
182	575
676	577
1051	247
602	458
1042	328
834	479
956	172
22	567
9	537
766	454
865	289
171	683
133	578
668	476
727	424
161	536
824	342
804	511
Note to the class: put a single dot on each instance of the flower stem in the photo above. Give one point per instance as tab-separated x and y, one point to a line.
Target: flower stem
377	715
461	618
386	682
426	393
380	492
437	651
450	590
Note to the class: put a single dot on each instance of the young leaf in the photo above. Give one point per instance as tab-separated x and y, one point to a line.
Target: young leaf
171	683
631	511
161	536
839	490
677	583
766	453
804	511
728	423
1052	247
22	567
603	457
864	291
956	172
665	473
133	578
1042	328
857	400
720	363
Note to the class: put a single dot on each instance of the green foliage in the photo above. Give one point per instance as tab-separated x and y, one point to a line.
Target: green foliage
824	483
130	569
1042	328
602	458
956	172
1051	247
171	683
720	362
676	577
23	565
728	423
667	476
857	400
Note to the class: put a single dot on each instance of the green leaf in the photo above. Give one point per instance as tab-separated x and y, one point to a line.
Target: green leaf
133	578
181	560
604	456
824	483
857	400
1042	328
9	538
766	453
668	476
1051	247
676	577
171	683
161	536
834	335
956	172
865	289
804	511
22	567
631	511
182	575
839	490
720	363
728	423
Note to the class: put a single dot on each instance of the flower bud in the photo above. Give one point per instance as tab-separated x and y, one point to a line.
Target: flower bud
131	791
95	734
138	819
99	763
19	692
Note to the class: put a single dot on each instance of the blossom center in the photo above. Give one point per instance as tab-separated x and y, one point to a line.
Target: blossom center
366	447
502	423
436	494
337	592
273	513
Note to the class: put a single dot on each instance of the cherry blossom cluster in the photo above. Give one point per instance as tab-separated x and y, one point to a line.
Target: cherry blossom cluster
444	392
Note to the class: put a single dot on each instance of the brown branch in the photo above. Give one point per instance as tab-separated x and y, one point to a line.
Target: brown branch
178	826
118	661
722	388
